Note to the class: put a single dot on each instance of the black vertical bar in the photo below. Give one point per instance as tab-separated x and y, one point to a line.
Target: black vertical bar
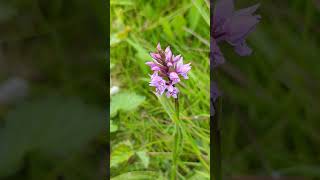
211	100
108	89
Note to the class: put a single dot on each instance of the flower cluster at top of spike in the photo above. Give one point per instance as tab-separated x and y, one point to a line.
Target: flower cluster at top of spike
167	70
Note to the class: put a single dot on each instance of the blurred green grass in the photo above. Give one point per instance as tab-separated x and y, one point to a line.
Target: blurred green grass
136	28
59	48
271	99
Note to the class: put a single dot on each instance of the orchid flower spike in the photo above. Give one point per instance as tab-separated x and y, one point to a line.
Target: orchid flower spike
167	71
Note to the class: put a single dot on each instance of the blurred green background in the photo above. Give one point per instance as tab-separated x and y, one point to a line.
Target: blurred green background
141	130
271	99
52	89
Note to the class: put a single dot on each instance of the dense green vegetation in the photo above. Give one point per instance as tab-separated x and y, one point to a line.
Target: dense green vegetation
271	99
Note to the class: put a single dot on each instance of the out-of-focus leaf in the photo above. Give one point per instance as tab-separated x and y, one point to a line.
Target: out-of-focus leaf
200	175
203	10
138	175
142	54
55	126
121	153
111	65
193	18
144	158
167	29
113	127
178	23
148	11
120	36
125	101
122	2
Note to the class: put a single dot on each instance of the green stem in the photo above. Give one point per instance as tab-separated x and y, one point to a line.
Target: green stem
176	103
177	142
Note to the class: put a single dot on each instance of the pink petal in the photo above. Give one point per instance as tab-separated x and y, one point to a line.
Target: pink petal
177	58
159	47
155	56
155	68
168	53
174	77
150	63
170	88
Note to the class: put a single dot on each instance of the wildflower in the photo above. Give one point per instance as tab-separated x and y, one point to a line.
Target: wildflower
159	83
174	77
233	27
172	91
167	69
183	69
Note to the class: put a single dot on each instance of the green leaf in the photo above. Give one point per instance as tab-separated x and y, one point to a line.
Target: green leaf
122	2
118	37
114	40
113	127
144	158
55	126
203	10
125	101
178	23
168	107
200	175
111	65
121	153
138	175
142	54
193	18
167	28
